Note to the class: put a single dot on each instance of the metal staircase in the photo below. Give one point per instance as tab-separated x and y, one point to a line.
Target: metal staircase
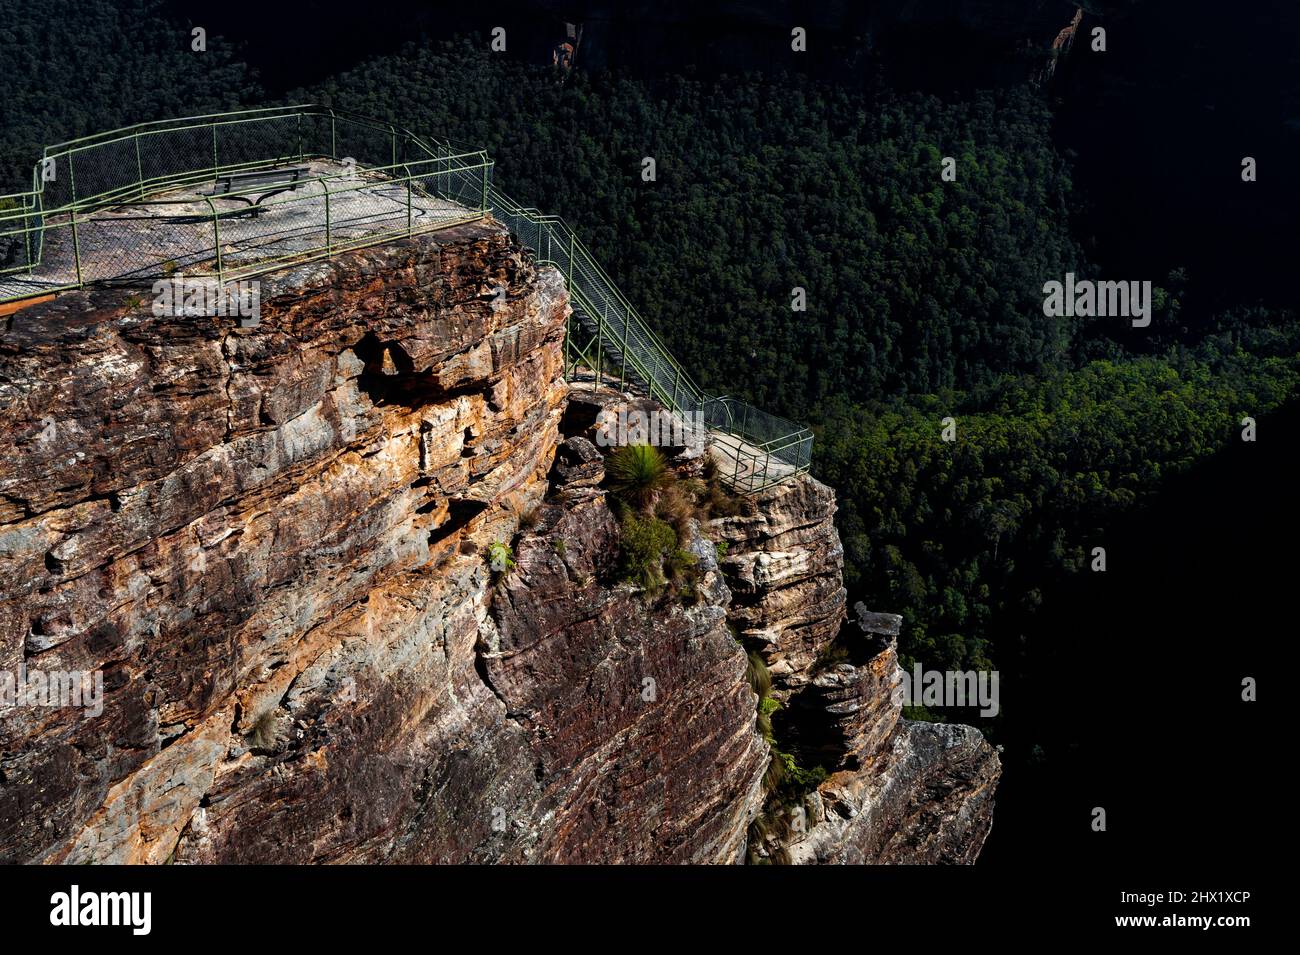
608	337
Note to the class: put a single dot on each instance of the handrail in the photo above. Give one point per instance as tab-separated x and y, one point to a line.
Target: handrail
76	178
248	115
500	199
214	121
768	449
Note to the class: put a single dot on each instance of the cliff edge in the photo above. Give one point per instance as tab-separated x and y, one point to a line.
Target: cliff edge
273	543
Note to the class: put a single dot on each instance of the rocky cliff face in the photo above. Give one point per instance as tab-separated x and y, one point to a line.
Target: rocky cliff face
273	542
899	791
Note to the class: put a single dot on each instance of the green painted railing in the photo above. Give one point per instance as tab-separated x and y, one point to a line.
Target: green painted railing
608	337
79	188
49	235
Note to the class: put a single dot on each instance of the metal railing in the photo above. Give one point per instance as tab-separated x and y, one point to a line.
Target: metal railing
766	448
70	228
73	228
607	335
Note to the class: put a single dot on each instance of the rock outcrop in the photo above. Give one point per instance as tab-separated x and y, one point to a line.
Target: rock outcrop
785	567
899	791
638	713
269	541
350	581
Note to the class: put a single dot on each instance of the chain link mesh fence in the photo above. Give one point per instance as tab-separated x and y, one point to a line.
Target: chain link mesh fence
757	449
75	225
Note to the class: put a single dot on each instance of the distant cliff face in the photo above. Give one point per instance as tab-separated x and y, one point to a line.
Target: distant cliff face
272	542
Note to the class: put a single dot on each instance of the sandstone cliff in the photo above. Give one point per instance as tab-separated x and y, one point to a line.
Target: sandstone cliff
899	791
272	541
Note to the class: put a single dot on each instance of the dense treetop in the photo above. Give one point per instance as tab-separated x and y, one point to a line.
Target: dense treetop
767	183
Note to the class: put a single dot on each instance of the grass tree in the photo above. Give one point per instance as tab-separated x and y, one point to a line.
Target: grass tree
638	474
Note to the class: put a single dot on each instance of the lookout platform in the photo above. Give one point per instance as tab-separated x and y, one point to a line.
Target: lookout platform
336	206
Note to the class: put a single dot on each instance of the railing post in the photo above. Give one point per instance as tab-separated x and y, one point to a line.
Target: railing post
600	341
76	248
329	249
139	166
569	277
568	283
627	321
408	202
39	206
568	371
27	239
216	236
216	166
676	381
76	241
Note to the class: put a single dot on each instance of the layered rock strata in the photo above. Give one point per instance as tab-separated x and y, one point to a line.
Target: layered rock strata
898	791
269	540
351	583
